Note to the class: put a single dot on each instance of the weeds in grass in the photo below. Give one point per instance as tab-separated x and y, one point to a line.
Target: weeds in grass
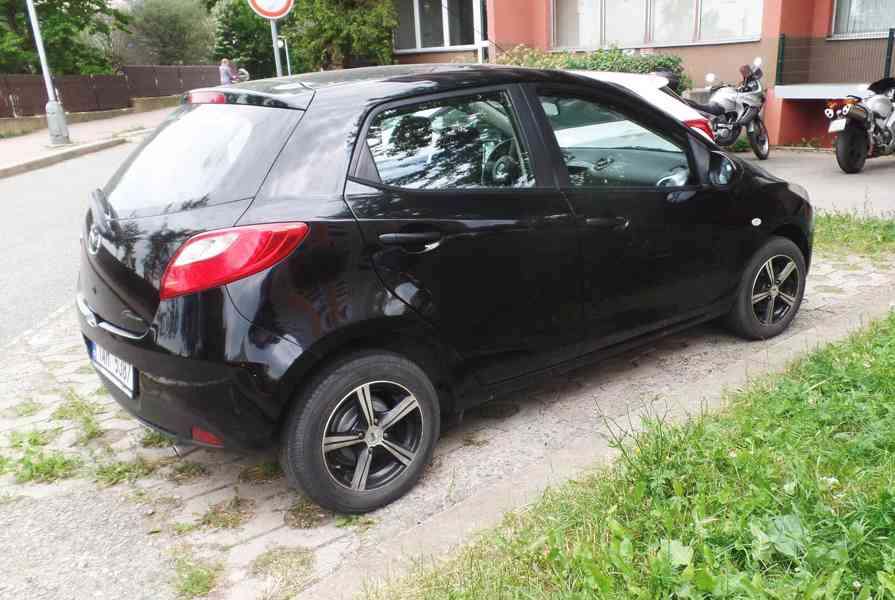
43	467
155	439
304	514
195	578
788	494
850	233
117	472
187	471
83	412
27	408
33	439
261	473
285	571
357	522
228	514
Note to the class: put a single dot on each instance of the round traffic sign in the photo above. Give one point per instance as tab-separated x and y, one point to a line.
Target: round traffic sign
272	9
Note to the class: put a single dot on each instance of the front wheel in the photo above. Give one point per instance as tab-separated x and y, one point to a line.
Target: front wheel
770	291
851	149
362	432
758	139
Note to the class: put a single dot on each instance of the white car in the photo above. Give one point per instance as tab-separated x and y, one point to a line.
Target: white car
654	89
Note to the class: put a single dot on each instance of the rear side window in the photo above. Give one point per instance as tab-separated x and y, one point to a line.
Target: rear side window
202	155
454	143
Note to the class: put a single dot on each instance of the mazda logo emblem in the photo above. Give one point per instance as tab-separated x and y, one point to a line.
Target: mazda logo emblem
94	239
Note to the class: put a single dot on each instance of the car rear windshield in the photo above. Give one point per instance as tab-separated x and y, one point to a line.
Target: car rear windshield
202	155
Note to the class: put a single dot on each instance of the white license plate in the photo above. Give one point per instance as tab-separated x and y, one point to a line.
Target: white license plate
119	372
837	126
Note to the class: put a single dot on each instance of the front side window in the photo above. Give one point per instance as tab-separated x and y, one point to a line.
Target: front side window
601	147
456	143
864	16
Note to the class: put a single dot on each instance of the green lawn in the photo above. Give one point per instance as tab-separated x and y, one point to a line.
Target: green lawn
789	495
844	233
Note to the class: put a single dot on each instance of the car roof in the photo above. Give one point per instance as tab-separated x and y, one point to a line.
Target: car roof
387	82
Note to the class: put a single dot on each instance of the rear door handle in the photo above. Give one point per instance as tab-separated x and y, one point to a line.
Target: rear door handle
410	239
608	222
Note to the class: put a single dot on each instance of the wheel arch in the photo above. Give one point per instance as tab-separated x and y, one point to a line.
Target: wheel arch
796	235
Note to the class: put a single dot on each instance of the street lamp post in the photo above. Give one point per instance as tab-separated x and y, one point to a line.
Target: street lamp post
276	53
284	43
55	112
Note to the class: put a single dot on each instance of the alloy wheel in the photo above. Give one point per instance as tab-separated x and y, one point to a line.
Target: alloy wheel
775	290
372	436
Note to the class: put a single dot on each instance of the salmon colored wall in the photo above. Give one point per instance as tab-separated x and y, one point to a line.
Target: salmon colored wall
514	22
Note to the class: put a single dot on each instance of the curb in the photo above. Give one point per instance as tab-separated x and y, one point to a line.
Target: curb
432	541
52	159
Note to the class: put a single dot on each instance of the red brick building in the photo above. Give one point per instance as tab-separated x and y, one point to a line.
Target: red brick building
826	49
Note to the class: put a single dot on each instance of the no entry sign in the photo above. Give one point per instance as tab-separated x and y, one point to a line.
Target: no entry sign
272	9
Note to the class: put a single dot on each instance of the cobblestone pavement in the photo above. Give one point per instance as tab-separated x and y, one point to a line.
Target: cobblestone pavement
129	518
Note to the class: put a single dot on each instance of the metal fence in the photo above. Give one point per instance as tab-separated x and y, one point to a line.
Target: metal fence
855	59
25	95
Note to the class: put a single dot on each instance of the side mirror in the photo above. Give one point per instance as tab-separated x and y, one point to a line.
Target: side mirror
722	169
711	78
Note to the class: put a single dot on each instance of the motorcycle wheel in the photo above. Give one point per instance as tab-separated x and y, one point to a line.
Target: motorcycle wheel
852	149
758	139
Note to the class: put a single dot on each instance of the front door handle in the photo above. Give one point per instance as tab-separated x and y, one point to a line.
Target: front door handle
620	223
423	238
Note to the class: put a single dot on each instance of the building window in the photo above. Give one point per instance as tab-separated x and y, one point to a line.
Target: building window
863	16
435	24
632	23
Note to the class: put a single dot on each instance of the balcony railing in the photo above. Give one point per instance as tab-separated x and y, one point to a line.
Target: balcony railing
855	59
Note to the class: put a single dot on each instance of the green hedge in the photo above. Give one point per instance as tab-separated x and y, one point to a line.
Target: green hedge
612	59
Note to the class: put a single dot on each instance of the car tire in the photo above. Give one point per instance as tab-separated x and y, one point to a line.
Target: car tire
765	305
852	149
353	475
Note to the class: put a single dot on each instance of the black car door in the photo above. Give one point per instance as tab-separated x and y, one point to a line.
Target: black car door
464	223
655	242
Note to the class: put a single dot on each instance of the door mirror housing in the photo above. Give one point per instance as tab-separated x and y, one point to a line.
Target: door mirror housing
722	170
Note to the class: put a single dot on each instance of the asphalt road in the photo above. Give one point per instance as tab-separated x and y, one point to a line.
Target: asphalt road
42	212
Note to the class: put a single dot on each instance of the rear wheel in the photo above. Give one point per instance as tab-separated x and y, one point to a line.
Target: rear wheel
362	432
770	291
851	149
758	139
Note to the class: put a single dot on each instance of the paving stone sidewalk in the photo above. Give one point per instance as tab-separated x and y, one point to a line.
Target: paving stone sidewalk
83	537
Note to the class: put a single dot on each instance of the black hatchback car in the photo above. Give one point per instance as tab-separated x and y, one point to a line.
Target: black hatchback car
335	261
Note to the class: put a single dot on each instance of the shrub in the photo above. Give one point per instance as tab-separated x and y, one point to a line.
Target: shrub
611	59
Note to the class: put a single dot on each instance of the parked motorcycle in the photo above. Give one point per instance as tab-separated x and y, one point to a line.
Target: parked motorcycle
865	125
731	108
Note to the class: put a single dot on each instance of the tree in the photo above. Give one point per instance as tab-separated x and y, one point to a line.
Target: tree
346	33
66	27
173	31
244	37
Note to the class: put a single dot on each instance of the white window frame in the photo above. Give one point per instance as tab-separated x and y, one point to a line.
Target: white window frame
648	41
869	35
477	45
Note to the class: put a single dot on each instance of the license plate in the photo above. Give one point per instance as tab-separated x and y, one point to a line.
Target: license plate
118	371
837	126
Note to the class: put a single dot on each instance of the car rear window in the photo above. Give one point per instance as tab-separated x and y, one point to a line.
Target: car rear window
202	155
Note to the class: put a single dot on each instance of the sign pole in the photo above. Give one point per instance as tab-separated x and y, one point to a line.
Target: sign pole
276	48
55	112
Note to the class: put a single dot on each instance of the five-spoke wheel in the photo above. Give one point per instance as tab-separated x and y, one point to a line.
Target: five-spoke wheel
775	289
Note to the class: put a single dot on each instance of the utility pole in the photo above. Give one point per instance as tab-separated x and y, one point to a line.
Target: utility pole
55	112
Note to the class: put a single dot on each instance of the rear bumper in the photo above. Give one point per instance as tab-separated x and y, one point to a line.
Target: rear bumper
200	364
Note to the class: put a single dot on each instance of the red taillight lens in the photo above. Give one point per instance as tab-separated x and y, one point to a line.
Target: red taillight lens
205	437
206	98
703	126
216	258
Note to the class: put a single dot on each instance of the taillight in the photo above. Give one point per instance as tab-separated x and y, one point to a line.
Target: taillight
207	97
703	126
205	437
216	258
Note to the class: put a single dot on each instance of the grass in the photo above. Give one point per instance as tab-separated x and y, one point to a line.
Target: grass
27	408
304	514
357	522
117	472
261	473
43	467
741	145
789	494
285	569
194	578
83	412
849	233
228	514
34	438
187	471
155	439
